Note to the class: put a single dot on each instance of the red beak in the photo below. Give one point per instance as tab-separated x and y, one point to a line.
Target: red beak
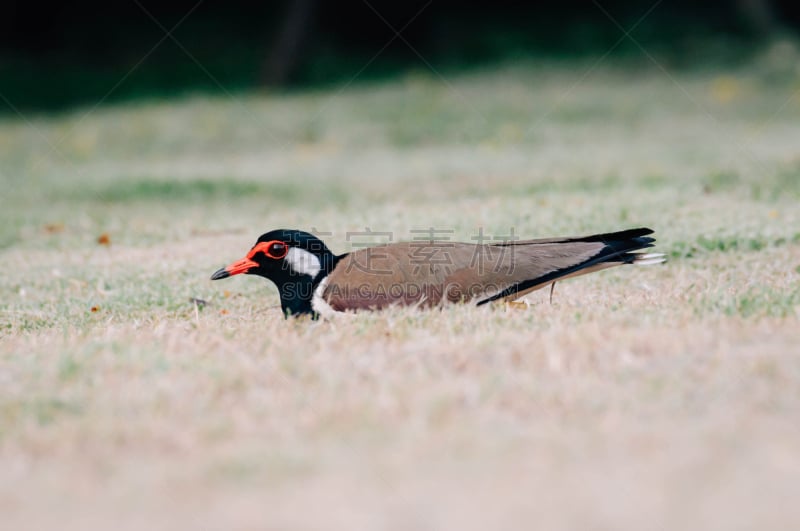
241	266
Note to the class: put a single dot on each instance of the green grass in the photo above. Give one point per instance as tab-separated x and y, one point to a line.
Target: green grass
195	190
662	394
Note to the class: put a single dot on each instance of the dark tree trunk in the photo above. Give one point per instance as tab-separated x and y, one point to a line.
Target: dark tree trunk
285	53
759	17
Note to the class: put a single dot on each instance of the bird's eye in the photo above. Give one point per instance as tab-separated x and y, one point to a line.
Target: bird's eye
274	249
277	250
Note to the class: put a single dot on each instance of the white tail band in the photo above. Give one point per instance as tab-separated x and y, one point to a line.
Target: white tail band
649	258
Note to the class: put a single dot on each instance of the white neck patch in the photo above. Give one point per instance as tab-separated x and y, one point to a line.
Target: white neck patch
303	262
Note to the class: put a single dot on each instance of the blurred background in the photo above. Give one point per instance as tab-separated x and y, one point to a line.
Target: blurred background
78	53
144	145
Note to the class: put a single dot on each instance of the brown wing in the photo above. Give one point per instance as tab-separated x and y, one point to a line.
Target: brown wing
401	273
577	256
429	273
502	269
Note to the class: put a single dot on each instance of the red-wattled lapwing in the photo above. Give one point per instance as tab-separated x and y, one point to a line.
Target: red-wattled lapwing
312	280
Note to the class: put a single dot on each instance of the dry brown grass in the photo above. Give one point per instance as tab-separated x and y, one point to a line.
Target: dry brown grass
659	397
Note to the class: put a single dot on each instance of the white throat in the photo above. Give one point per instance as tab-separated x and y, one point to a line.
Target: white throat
303	262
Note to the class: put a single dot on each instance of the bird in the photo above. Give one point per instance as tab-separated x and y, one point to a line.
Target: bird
313	281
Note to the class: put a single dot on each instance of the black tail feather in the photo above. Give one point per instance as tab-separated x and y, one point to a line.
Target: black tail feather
619	247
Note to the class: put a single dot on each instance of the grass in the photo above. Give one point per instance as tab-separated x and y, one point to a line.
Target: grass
663	395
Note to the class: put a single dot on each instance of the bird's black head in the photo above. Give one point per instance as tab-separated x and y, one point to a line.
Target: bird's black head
294	260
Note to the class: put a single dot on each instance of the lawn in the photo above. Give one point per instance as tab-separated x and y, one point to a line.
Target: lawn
642	397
